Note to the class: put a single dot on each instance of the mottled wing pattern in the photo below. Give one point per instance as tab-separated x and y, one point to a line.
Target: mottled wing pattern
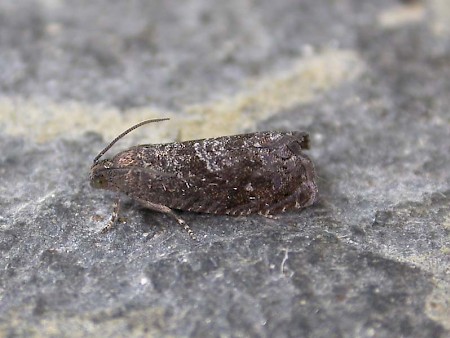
242	174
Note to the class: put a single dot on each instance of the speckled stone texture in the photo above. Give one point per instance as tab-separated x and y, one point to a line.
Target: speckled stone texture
369	80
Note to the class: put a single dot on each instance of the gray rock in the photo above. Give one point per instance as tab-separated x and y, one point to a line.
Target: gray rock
368	80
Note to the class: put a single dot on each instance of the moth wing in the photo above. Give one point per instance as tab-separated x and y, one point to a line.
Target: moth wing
288	144
234	175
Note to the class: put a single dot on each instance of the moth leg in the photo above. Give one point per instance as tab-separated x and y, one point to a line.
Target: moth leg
114	216
166	210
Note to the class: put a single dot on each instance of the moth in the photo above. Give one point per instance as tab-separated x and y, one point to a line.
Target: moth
262	172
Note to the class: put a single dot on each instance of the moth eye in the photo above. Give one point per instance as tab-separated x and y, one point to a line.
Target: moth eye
99	182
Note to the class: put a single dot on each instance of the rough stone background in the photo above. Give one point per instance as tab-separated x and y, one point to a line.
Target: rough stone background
370	81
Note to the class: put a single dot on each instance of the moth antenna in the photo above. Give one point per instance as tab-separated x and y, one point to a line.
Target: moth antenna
100	154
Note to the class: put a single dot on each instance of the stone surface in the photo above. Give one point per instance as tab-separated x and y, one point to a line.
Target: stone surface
369	81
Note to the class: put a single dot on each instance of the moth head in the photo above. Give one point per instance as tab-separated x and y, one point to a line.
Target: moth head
100	178
103	173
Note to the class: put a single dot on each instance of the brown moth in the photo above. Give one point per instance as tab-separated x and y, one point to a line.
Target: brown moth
262	172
